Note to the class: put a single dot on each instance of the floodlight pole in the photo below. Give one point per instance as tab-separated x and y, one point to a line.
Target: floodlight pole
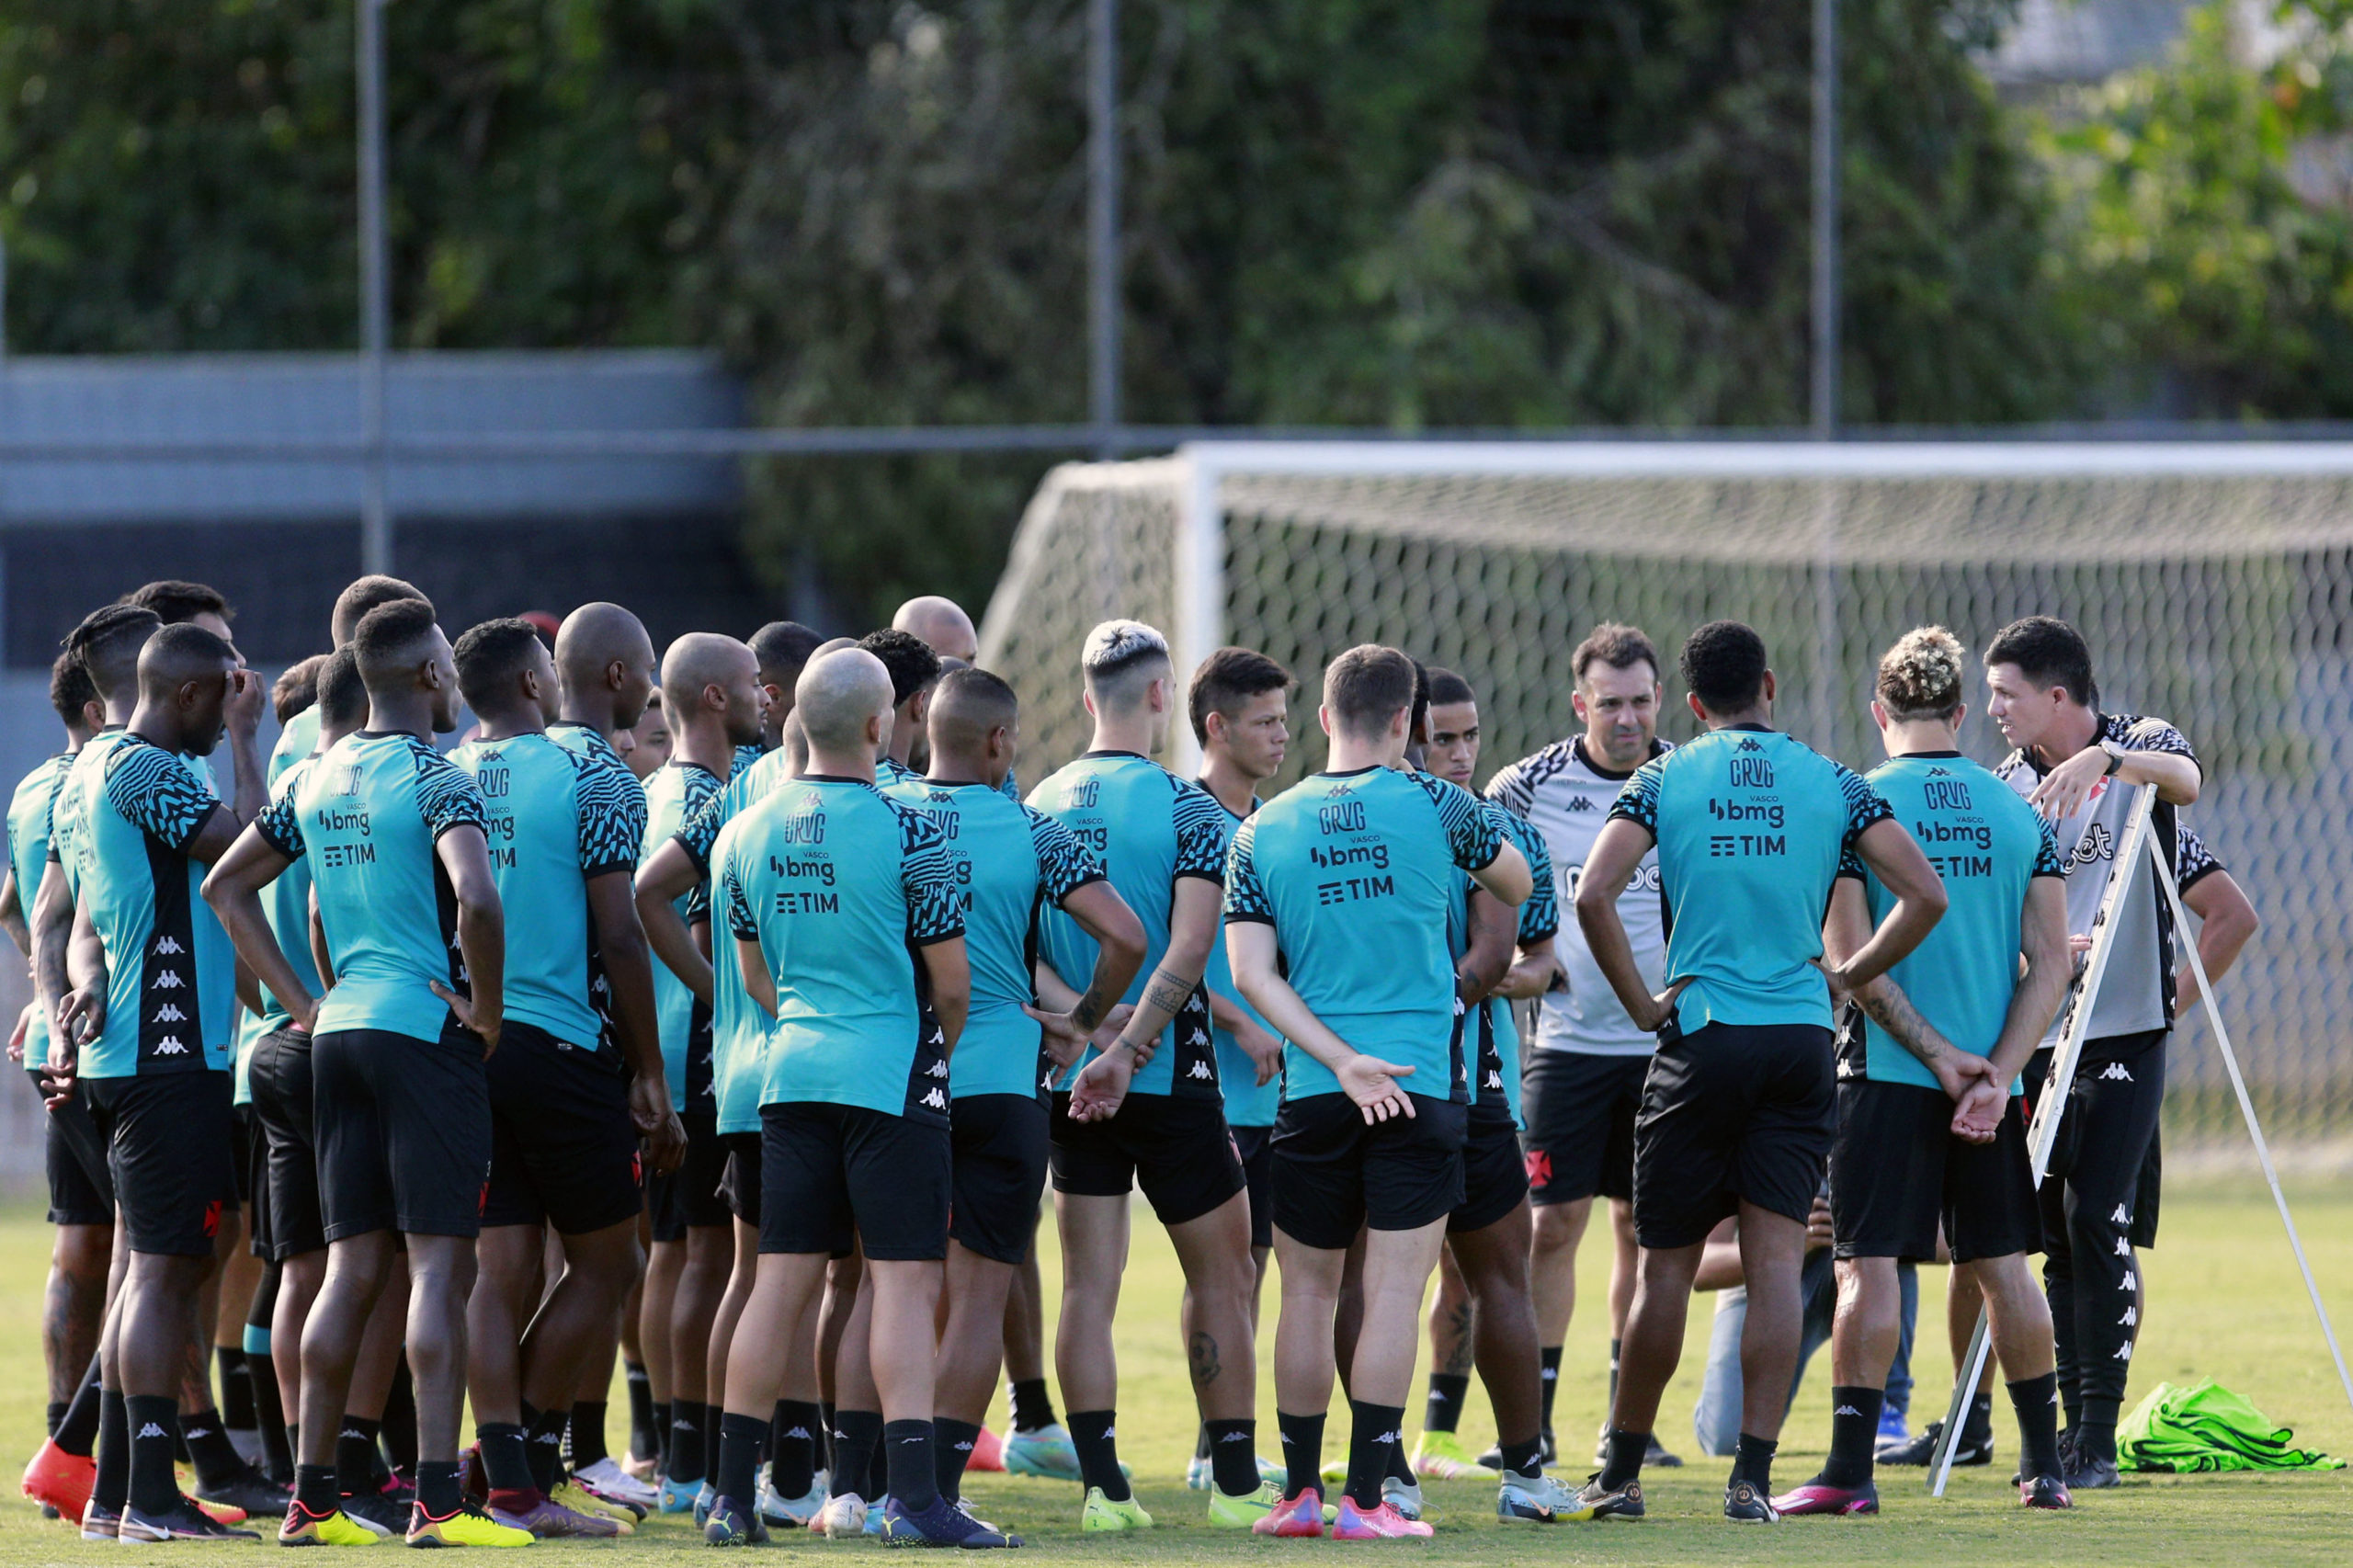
1824	388
375	305
1103	223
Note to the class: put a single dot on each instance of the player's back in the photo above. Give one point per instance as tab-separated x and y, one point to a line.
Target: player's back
1987	844
1148	828
739	1030
1751	826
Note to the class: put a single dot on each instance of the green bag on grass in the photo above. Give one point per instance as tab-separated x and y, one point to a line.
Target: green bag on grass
2207	1428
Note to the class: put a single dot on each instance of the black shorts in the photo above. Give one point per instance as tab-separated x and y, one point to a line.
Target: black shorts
287	1218
1494	1178
1731	1113
688	1197
830	1174
1176	1149
81	1187
1897	1172
740	1184
999	1174
1580	1137
1335	1174
1256	1147
169	1138
404	1132
563	1149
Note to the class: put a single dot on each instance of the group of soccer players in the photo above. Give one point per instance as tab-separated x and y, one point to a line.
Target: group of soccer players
731	1012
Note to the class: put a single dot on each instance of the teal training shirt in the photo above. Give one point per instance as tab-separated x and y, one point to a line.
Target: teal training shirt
1011	865
1360	874
840	884
171	973
1249	1103
1751	826
366	818
286	903
1150	830
739	1030
628	798
1988	844
555	823
297	741
673	792
29	830
1539	921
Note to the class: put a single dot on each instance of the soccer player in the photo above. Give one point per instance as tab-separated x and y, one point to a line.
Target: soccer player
299	736
784	649
844	906
915	670
1239	703
1339	900
2070	760
394	836
649	746
1583	1082
1751	827
80	1189
1011	862
148	1024
567	1103
1148	1110
1931	1126
942	624
711	692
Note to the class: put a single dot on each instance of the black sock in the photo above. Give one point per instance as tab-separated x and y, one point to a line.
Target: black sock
1444	1411
643	1443
154	1421
1524	1459
855	1435
1373	1432
662	1435
57	1409
399	1426
1978	1425
686	1441
908	1462
437	1487
237	1411
951	1450
1548	1383
1093	1435
792	1447
1303	1439
317	1488
2036	1401
543	1445
1854	1431
707	1420
740	1438
216	1459
112	1487
277	1458
354	1454
1752	1462
2095	1440
505	1463
1033	1407
78	1432
584	1436
1623	1461
1233	1455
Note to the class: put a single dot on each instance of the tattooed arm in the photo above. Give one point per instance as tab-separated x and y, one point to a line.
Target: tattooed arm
1192	930
1846	930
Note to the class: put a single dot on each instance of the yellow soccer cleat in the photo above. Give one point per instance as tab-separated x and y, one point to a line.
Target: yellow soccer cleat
1103	1516
302	1528
1244	1511
1442	1456
466	1525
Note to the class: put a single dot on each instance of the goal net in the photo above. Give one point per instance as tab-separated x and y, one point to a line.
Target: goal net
2212	580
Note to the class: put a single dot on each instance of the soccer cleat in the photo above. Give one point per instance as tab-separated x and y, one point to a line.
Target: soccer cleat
676	1496
942	1524
1819	1498
1973	1448
1295	1517
100	1522
1100	1515
1743	1505
182	1521
1198	1476
1044	1451
732	1524
790	1513
1535	1499
468	1524
1892	1428
842	1518
988	1453
1405	1496
570	1494
59	1480
1595	1500
647	1469
250	1491
2044	1492
1441	1456
334	1528
378	1511
703	1500
220	1513
1244	1513
2086	1475
1384	1523
1334	1472
609	1480
874	1516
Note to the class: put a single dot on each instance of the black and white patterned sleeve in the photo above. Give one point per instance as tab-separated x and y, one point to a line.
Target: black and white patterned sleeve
157	793
730	881
1474	830
1638	801
2140	733
1539	914
2193	862
1512	789
446	795
1865	805
1064	866
1245	894
1200	825
927	877
610	834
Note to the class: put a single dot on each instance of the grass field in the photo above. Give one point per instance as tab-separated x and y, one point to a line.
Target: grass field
2225	1303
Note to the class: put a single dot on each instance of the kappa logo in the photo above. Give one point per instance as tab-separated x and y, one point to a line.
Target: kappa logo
1846	1410
169	1014
167	945
171	1046
935	1100
1197	1037
2115	1072
936	1070
152	1430
1495	1080
1580	803
1236	1437
2124	1247
1939	773
1752	745
1199	1070
169	980
800	1432
1389	1436
2123	1352
2130	1283
2120	1217
2132	1318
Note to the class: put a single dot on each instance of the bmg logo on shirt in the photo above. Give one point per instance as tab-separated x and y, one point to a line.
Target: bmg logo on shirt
1341	816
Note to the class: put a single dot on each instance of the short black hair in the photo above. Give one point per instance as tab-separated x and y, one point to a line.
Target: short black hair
343	696
783	647
107	645
909	658
1446	687
1723	666
386	637
489	658
1365	686
352	605
176	603
1228	678
297	690
70	689
1614	644
974	701
182	653
2049	653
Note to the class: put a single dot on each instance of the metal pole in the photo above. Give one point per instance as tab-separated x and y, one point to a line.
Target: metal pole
1103	222
375	304
1825	398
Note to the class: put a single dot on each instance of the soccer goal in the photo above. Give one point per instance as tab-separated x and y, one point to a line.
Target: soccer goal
2213	580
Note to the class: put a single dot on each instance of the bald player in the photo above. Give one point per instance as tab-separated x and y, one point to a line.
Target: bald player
941	623
299	737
